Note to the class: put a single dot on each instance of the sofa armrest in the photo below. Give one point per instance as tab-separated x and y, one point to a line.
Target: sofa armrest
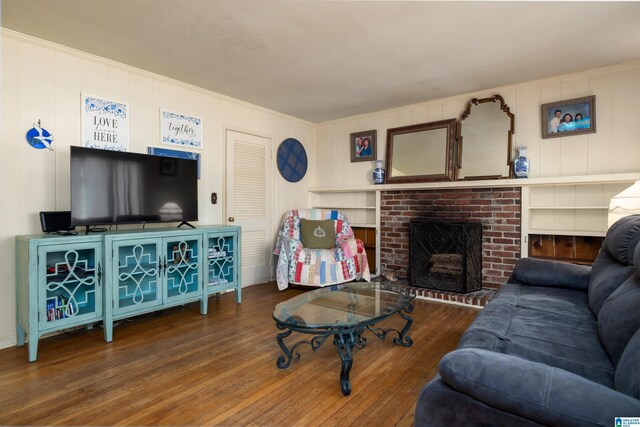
554	274
533	390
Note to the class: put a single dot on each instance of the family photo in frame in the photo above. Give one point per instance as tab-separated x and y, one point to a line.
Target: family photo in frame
363	146
571	117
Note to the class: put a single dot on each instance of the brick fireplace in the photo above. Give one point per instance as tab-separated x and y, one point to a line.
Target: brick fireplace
497	209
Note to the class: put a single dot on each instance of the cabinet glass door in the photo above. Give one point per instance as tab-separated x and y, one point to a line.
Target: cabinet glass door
70	284
137	275
182	267
221	256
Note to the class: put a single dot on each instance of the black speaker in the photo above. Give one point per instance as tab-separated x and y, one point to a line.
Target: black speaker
54	222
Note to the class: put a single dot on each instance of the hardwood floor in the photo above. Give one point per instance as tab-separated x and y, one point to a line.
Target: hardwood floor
181	368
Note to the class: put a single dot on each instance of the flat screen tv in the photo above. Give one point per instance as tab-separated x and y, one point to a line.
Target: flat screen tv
111	187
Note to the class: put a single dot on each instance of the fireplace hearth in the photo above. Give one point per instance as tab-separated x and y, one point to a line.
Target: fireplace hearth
445	256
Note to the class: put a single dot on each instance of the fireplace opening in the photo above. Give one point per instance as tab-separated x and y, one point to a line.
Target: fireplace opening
445	256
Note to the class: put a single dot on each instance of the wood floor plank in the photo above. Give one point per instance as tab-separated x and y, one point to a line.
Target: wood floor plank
179	368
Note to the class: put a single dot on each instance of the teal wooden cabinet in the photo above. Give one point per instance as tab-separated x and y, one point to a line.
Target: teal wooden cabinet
59	285
70	281
223	271
152	270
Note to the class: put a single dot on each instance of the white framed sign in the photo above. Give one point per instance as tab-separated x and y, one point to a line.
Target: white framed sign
105	123
180	130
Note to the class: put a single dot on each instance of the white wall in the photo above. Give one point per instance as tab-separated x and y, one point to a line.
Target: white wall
44	81
614	148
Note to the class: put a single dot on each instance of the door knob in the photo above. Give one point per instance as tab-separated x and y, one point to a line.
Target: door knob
231	219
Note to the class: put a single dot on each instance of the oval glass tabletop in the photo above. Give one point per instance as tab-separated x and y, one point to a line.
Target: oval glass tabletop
344	305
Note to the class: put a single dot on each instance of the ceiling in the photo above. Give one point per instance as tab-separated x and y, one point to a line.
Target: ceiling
320	60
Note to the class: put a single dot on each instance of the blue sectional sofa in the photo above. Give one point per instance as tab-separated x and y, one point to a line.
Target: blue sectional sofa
558	345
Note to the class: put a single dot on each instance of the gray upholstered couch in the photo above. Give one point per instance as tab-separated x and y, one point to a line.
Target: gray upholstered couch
558	345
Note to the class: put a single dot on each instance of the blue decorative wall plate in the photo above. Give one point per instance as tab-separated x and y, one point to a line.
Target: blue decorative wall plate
292	160
39	137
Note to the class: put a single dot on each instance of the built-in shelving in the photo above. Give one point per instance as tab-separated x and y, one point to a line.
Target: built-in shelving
565	206
360	207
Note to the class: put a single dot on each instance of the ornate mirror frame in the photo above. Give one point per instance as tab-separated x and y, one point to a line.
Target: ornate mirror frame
432	134
465	114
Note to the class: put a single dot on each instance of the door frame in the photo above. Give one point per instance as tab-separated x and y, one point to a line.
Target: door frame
271	182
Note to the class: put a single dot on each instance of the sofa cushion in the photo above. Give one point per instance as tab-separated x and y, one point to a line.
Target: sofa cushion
546	325
318	234
622	239
544	272
441	405
627	378
614	262
535	391
620	318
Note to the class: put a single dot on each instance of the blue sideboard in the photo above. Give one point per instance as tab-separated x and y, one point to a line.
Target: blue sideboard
68	281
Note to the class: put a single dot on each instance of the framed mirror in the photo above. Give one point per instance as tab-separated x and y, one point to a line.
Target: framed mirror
484	138
422	152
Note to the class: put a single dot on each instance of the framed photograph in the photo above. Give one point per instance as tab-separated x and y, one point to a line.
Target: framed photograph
105	123
155	151
180	130
363	146
571	117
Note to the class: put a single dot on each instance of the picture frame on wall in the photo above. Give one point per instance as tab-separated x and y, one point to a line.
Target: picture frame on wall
571	117
363	146
156	151
180	130
105	123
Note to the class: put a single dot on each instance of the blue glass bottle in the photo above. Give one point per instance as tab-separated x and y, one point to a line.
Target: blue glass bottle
521	163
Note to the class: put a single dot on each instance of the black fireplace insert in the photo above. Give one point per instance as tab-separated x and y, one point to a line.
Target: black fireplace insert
445	256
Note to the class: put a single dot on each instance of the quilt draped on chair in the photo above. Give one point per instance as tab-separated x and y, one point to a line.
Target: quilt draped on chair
318	267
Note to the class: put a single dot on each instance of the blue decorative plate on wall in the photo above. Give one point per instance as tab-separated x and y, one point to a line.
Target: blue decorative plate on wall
292	160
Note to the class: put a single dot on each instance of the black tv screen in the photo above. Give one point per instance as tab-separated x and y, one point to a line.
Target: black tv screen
111	187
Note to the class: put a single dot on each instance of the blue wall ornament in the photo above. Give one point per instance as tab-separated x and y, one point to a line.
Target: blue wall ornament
38	137
292	160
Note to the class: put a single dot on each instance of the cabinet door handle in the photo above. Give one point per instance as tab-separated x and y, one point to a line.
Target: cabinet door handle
165	265
99	274
231	219
159	265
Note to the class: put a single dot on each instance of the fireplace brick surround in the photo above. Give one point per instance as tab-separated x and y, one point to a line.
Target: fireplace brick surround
497	209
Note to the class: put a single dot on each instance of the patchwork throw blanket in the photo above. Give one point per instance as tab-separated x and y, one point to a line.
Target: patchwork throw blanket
318	267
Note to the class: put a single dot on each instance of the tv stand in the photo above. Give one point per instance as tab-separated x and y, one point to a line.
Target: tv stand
64	282
185	223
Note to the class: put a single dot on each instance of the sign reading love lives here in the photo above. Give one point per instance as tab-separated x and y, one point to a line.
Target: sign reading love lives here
105	123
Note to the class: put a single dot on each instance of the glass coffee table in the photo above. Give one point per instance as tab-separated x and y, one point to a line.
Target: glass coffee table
344	312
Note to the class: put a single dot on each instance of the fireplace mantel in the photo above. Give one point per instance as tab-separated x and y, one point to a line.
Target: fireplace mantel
488	183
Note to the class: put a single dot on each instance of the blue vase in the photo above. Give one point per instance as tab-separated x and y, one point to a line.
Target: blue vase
378	173
521	163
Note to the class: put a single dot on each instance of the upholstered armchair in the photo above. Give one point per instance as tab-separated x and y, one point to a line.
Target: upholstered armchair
342	257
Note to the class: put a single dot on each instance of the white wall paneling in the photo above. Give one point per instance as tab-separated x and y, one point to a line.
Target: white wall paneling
42	80
614	148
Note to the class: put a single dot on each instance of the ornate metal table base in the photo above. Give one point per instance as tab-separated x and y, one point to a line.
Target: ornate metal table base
344	338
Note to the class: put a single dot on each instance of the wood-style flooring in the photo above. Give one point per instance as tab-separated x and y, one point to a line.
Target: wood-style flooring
180	368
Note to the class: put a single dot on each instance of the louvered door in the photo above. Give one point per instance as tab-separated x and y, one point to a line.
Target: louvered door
248	201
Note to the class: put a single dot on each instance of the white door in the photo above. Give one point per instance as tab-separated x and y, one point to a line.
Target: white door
248	202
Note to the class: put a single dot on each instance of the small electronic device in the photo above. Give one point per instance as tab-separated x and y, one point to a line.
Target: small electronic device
56	222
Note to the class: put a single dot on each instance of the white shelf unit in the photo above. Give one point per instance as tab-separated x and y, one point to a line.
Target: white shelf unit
576	209
360	206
